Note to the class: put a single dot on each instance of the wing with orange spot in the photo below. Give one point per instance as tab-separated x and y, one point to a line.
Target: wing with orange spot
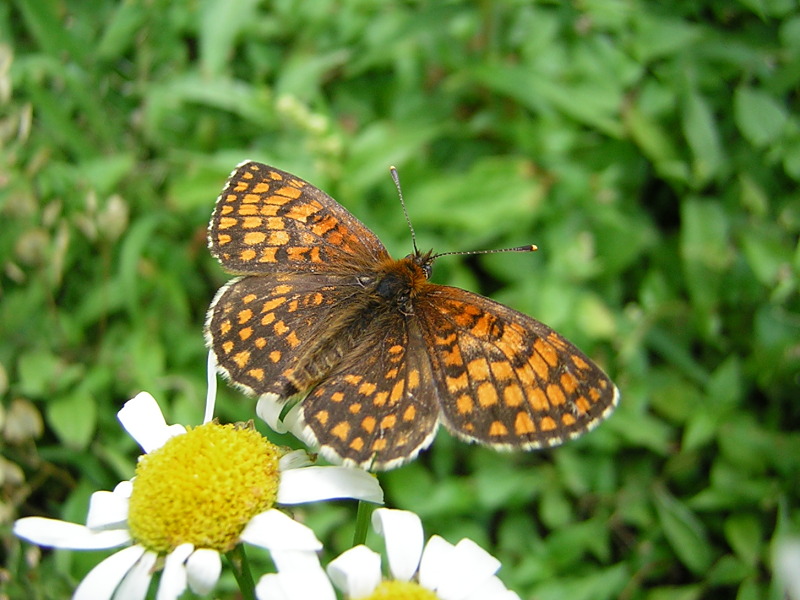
259	327
504	379
268	221
378	409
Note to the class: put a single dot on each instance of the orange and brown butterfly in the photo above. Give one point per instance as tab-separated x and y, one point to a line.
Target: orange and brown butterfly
379	355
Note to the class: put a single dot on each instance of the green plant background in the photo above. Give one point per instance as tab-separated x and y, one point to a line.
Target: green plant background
650	149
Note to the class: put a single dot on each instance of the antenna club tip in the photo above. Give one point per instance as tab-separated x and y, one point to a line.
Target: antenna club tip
534	247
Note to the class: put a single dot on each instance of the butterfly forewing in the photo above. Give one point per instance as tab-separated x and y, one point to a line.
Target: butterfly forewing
505	379
268	221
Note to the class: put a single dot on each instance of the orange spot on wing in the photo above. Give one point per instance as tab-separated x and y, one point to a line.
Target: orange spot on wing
341	430
498	429
523	424
555	395
242	358
547	424
487	394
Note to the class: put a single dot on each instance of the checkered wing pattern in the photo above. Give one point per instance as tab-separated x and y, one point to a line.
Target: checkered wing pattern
505	379
377	409
269	221
260	327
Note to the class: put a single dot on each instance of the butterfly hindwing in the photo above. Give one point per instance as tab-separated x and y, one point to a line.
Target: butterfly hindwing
259	327
377	410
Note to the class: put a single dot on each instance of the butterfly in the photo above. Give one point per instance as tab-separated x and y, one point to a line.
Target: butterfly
378	355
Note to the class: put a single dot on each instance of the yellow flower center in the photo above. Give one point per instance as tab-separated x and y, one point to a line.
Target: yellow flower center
400	590
203	487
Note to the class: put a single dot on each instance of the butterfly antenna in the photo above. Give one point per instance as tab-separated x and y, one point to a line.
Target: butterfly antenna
396	179
526	248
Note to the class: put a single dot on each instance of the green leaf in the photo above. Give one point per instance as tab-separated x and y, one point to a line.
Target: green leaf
659	36
73	417
728	570
555	509
42	374
684	531
745	536
593	105
705	250
684	592
603	584
760	117
655	142
700	129
121	30
750	590
221	23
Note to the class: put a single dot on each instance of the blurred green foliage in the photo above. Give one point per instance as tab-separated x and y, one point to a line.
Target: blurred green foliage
650	149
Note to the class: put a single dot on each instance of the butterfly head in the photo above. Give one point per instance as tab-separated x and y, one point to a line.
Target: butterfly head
424	260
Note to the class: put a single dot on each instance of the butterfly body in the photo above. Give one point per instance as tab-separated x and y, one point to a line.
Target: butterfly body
379	354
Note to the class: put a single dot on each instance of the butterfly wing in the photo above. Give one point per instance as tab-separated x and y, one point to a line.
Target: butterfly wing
377	410
258	327
504	379
269	221
301	254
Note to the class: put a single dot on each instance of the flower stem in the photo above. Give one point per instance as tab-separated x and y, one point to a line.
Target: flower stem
241	571
362	521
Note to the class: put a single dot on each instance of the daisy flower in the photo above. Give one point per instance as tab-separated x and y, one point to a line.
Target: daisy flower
197	494
437	570
786	563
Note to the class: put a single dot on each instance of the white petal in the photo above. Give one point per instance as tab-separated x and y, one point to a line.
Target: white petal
101	581
297	560
124	489
273	586
294	585
470	567
492	589
293	420
294	460
311	484
402	531
107	509
786	561
203	569
135	584
61	534
435	563
274	530
299	577
269	410
143	420
211	393
173	577
356	572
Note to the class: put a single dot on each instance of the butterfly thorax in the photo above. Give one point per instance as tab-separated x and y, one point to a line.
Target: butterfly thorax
397	282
